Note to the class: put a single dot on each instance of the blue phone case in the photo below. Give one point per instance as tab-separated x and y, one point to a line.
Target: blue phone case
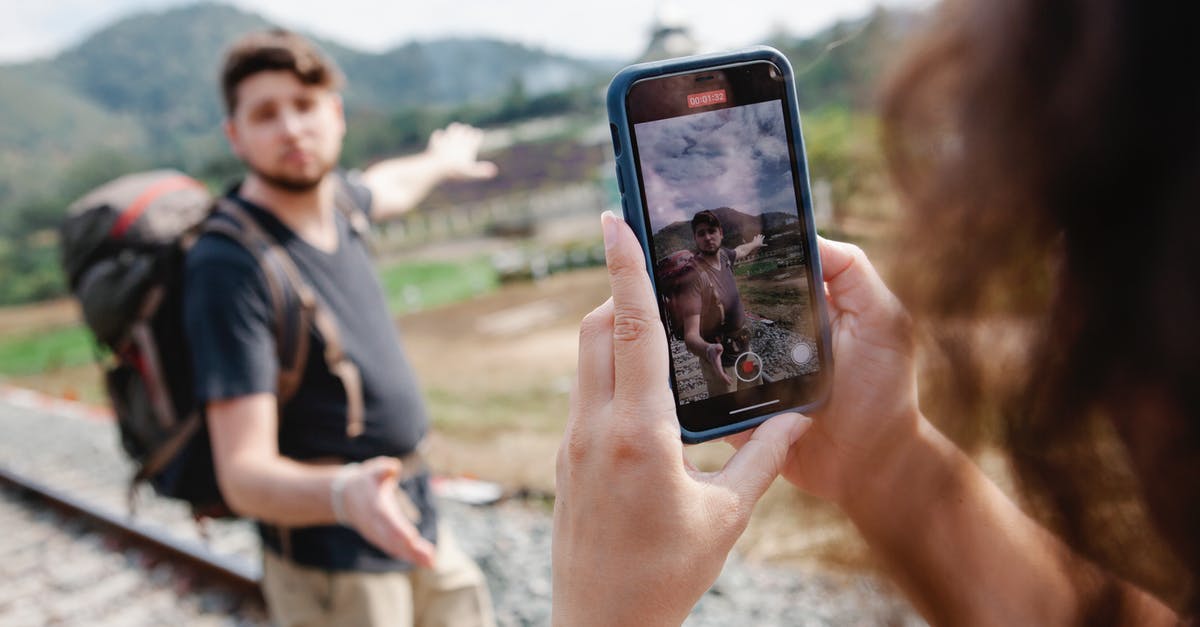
631	199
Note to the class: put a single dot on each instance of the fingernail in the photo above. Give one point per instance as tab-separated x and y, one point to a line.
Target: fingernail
608	222
799	429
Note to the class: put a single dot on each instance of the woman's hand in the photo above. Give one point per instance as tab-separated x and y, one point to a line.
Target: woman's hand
639	535
872	413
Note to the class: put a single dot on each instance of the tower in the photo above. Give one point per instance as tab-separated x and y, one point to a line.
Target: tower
670	35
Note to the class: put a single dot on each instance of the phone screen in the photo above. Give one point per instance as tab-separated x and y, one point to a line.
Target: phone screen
724	205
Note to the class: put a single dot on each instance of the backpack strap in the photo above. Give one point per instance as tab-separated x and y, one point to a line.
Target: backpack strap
710	288
158	459
346	205
297	307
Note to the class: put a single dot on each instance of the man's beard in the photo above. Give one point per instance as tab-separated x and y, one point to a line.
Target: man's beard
294	185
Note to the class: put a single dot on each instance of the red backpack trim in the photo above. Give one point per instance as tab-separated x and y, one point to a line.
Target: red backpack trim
139	204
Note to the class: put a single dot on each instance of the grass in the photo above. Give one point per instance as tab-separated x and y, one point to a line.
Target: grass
45	351
414	286
408	286
755	268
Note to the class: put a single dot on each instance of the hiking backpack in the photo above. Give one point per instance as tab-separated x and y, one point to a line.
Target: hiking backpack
123	249
680	271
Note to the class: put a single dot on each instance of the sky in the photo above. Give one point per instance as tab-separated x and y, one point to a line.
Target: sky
614	29
706	160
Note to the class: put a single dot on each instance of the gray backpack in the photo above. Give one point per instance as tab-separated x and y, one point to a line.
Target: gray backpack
123	247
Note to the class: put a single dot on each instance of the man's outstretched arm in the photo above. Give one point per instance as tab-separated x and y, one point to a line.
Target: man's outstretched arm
398	184
749	248
702	348
257	482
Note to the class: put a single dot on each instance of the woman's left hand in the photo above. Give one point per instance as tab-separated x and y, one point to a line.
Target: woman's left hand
639	534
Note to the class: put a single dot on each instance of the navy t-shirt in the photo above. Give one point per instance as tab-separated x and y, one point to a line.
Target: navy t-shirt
230	327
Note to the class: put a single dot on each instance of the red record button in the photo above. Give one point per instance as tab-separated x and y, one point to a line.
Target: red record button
748	367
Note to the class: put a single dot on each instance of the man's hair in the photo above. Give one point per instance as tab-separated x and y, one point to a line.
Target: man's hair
707	218
275	50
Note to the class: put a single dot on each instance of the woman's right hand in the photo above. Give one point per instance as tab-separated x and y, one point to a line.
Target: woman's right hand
962	551
872	410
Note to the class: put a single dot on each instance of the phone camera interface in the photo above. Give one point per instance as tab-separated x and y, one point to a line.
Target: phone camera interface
729	247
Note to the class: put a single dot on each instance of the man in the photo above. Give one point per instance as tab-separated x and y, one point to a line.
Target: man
714	321
342	544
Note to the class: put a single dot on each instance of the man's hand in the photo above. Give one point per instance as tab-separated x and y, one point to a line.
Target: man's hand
750	247
713	354
398	184
373	509
639	535
455	151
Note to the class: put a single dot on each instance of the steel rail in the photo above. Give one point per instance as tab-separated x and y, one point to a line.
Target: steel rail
225	571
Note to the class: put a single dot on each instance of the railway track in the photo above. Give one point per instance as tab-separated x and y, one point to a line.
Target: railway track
63	567
227	572
72	554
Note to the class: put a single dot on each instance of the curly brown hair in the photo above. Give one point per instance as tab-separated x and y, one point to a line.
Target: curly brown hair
1049	153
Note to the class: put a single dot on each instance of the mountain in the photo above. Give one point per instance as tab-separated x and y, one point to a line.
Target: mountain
165	65
143	92
160	67
842	65
43	125
147	86
456	71
738	228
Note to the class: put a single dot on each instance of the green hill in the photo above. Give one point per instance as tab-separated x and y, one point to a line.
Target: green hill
142	92
842	64
147	85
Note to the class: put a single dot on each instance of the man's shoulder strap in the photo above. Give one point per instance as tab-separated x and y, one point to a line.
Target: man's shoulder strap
707	283
291	298
730	256
356	216
295	306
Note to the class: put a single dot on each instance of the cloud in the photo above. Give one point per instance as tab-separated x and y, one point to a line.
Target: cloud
736	157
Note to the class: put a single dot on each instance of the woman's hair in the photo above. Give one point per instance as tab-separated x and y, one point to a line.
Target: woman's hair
1049	153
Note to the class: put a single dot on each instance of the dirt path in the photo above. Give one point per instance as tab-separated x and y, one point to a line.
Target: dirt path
497	371
38	316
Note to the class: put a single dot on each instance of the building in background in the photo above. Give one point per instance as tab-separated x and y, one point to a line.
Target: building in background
670	35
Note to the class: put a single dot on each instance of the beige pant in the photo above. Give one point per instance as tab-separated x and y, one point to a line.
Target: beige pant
451	594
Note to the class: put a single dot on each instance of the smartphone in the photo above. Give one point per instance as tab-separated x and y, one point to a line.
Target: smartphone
714	182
